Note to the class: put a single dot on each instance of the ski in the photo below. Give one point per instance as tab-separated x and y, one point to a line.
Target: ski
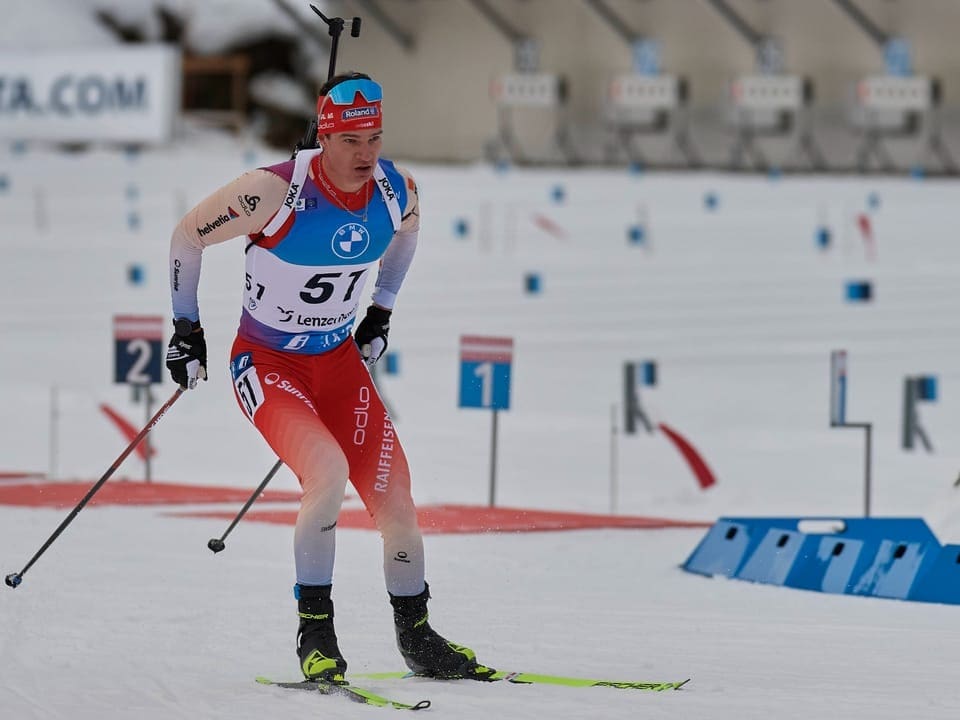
351	692
524	678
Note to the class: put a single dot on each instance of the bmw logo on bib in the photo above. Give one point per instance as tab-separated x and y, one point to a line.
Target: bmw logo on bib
350	241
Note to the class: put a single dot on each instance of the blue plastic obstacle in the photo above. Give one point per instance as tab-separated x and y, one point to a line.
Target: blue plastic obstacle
896	558
859	291
4	183
558	194
711	201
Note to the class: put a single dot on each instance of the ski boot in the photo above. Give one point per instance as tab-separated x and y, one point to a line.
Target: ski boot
320	658
423	650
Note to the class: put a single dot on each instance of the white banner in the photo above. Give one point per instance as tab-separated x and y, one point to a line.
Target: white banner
122	94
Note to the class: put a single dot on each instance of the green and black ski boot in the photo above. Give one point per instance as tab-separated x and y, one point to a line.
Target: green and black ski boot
426	652
320	657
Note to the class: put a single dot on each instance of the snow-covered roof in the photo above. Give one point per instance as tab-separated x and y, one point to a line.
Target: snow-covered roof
52	25
212	26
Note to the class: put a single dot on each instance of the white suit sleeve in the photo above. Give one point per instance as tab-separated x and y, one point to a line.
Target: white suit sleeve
393	267
185	259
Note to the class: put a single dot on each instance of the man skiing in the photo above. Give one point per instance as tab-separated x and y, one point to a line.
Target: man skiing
316	227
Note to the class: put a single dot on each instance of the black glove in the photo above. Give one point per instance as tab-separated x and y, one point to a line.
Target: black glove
371	334
187	353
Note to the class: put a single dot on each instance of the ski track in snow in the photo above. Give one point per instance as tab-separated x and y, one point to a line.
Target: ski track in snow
129	615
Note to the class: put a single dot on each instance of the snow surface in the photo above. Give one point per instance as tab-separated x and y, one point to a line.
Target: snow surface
129	615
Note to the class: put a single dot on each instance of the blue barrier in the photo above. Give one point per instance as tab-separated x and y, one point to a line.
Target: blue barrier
895	568
829	566
877	557
941	583
773	557
724	549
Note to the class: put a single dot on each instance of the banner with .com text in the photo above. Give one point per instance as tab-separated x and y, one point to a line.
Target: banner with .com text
123	94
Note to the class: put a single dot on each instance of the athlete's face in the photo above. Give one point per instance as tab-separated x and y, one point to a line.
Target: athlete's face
350	157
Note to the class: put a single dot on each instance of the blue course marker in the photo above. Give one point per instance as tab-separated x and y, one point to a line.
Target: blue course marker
392	363
136	274
927	388
823	237
531	283
859	291
648	373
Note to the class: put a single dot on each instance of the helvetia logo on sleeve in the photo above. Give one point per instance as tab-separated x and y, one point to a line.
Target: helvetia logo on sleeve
214	224
350	241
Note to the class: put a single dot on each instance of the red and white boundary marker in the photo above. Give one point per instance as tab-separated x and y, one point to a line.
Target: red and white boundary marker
138	327
480	348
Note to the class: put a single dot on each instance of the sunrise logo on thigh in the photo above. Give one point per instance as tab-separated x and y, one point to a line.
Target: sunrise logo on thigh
273	378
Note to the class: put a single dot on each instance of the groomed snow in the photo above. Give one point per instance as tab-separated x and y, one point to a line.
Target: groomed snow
129	615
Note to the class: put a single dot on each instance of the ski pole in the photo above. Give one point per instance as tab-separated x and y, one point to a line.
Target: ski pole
14	579
216	544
